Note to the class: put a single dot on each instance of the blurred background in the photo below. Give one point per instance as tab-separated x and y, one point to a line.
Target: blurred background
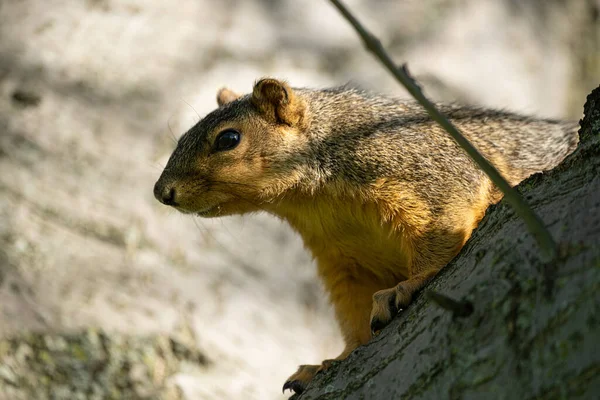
101	283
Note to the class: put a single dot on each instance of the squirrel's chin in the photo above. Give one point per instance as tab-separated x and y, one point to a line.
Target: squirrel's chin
183	210
222	209
211	212
206	213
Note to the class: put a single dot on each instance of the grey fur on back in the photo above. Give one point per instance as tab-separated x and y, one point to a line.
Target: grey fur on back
402	129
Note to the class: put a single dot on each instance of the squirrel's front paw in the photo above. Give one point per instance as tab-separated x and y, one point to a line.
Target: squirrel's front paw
386	304
298	381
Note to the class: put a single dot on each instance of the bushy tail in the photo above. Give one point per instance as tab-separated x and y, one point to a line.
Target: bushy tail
543	145
522	146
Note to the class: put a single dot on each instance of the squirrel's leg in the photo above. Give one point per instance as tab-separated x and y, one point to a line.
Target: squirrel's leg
387	302
351	290
431	254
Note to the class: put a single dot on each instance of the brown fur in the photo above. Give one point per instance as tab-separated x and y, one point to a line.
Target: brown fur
381	195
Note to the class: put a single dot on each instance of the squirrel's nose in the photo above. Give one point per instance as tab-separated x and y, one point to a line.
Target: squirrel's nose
165	194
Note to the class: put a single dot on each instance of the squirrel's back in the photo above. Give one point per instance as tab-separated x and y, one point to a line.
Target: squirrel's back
391	129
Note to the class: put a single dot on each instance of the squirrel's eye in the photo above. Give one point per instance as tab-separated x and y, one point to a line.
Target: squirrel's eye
227	140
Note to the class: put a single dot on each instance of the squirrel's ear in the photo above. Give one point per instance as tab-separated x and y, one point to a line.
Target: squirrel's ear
278	102
225	96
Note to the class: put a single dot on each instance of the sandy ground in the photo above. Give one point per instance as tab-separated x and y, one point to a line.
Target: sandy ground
92	94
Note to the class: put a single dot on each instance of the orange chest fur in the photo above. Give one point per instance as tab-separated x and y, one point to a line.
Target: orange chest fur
344	235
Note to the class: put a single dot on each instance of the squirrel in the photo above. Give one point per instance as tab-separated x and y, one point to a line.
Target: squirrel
381	195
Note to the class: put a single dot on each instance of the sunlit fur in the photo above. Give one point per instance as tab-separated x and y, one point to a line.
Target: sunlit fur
381	195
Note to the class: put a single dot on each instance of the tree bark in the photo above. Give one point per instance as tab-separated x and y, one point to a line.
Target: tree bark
534	330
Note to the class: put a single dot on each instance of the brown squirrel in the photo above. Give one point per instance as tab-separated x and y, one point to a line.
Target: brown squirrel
381	195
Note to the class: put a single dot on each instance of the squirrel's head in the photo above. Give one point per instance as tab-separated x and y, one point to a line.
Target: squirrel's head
240	156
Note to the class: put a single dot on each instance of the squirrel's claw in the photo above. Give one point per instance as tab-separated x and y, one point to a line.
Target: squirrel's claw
299	381
385	308
377	325
295	386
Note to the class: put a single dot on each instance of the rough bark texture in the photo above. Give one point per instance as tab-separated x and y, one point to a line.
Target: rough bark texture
535	328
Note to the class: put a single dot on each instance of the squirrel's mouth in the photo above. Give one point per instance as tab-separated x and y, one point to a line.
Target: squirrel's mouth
208	211
202	213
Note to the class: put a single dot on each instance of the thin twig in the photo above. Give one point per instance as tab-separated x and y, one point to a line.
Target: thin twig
533	222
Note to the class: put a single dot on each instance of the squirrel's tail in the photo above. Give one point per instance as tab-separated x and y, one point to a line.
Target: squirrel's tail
530	146
545	146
